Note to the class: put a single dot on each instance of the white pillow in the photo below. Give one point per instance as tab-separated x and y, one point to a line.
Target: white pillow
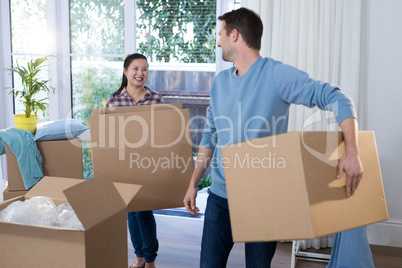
61	129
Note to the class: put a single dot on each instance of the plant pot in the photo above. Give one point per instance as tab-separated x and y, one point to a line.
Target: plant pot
21	122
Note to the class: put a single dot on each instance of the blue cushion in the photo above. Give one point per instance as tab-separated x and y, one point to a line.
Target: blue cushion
61	129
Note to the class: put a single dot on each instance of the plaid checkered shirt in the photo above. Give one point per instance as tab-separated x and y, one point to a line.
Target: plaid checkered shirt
124	99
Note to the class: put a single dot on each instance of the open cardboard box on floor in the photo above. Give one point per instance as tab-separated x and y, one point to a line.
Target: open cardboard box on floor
149	145
284	187
61	158
99	204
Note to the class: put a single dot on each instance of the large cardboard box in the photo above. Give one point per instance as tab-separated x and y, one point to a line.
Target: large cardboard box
62	158
284	187
100	208
146	145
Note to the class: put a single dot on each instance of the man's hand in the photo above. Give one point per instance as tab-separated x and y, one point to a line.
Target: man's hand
350	164
350	161
203	160
189	200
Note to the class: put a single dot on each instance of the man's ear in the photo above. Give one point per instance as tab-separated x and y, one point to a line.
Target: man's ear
235	35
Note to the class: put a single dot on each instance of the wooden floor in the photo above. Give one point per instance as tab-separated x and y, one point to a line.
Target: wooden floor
180	240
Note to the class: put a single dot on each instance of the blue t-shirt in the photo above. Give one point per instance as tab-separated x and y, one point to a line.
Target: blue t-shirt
256	105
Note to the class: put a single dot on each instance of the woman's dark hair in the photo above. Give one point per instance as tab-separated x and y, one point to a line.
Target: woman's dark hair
127	62
247	23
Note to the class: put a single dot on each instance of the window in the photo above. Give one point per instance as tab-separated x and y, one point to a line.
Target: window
178	37
28	27
92	37
97	50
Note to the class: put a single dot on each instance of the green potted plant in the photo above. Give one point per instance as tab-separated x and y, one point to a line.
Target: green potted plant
32	85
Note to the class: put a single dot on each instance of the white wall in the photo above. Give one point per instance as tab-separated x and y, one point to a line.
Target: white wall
383	79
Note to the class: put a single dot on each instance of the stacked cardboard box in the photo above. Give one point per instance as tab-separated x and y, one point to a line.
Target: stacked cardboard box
146	145
284	187
61	158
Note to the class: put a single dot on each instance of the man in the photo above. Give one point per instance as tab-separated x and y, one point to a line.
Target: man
256	87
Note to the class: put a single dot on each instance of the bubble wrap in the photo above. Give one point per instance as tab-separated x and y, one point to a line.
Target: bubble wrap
41	210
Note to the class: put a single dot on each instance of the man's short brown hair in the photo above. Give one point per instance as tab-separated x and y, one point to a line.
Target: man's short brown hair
247	23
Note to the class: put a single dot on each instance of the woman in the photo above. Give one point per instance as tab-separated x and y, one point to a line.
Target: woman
142	225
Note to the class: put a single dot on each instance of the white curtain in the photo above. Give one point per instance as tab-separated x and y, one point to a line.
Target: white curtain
323	38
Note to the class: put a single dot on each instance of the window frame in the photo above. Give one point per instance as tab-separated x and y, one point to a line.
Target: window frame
6	100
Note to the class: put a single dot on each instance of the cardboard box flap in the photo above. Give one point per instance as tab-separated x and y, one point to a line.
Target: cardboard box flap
138	108
53	188
127	191
95	200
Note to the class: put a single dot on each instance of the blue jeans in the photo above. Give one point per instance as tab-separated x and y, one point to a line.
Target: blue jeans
217	240
351	250
142	227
